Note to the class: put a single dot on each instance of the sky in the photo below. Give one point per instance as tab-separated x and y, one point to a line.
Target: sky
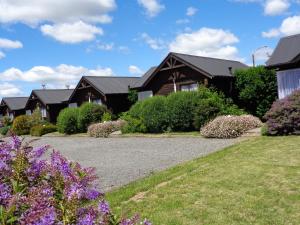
55	42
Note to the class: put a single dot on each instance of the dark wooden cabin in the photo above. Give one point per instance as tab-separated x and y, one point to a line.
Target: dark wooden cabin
13	106
182	72
49	101
286	61
110	91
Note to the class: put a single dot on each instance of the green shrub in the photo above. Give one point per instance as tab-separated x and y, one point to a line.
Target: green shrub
180	109
40	130
133	125
4	130
90	113
6	121
264	130
21	125
257	89
36	118
106	117
67	121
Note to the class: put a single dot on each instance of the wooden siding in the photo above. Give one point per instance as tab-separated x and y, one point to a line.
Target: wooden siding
288	81
162	82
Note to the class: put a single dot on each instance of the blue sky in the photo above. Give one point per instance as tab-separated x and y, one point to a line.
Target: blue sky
55	42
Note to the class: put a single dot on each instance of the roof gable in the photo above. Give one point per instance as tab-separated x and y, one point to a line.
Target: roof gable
15	103
287	51
52	96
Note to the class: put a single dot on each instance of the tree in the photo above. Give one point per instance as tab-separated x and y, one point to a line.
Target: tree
132	96
257	89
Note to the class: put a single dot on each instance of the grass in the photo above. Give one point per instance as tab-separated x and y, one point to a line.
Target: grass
254	182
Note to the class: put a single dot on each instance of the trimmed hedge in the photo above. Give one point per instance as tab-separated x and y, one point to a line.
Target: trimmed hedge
284	116
21	125
40	130
180	111
67	121
90	113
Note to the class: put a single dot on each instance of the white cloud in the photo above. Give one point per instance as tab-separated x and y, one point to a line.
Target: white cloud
9	44
271	33
152	7
2	55
289	26
191	11
182	21
71	33
134	70
154	43
9	90
276	7
207	42
263	54
105	46
54	76
34	12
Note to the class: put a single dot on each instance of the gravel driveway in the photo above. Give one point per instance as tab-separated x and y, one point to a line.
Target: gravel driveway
121	160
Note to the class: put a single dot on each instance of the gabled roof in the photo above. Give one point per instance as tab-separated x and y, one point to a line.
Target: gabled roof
211	67
286	52
53	96
145	77
15	103
111	84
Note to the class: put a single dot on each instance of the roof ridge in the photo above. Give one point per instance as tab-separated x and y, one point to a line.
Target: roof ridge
53	89
111	76
206	57
290	36
15	97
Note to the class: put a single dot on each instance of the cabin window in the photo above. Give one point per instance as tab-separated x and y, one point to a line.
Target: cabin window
11	116
144	94
97	101
73	105
288	81
189	87
28	112
43	112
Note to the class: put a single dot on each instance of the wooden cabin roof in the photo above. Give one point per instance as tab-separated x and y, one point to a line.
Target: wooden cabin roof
286	52
14	103
53	96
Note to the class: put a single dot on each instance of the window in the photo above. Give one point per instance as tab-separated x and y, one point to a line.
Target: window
43	112
28	112
11	116
189	87
73	105
97	101
144	94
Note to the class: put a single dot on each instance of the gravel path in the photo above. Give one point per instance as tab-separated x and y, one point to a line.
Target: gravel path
121	160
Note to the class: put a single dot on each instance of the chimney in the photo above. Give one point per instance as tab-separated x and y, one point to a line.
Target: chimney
44	86
230	69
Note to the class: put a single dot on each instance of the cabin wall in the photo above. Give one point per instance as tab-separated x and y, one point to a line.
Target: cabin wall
82	95
288	81
162	82
118	103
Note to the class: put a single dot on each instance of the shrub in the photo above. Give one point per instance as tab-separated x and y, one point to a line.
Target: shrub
6	121
133	125
180	109
230	126
36	118
67	121
284	116
4	130
21	125
257	89
105	129
40	130
50	192
106	117
90	113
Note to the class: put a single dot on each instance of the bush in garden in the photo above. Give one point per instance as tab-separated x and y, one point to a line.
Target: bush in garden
180	110
6	121
21	125
105	129
106	117
40	130
36	118
4	130
90	113
133	125
230	126
284	116
67	121
257	89
50	192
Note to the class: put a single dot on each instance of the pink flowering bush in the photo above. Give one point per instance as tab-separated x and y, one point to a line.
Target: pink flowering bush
35	191
106	128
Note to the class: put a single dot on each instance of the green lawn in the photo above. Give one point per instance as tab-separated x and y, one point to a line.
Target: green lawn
254	182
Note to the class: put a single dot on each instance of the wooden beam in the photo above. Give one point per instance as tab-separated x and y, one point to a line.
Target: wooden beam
174	67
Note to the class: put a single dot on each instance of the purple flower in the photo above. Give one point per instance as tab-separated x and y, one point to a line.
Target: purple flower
87	220
38	152
92	194
39	216
60	164
147	222
104	207
15	142
5	194
36	169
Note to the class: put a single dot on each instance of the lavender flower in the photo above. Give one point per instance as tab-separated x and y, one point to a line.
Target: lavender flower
15	142
5	194
104	207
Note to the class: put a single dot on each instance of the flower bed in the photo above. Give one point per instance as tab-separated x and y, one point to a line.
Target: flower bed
47	192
